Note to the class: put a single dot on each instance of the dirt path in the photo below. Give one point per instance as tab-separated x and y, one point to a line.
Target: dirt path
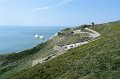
38	61
94	34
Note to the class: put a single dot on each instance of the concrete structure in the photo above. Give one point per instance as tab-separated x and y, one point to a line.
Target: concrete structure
67	47
93	35
61	50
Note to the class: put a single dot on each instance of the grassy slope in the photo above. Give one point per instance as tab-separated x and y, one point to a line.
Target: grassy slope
99	59
11	64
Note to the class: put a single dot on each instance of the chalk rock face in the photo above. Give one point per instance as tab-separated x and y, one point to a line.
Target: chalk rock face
41	37
38	36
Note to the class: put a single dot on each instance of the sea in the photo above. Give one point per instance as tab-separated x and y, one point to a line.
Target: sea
19	38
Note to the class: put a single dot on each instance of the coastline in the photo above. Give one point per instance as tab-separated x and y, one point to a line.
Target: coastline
30	47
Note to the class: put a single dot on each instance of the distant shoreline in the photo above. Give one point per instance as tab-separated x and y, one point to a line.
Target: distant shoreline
26	35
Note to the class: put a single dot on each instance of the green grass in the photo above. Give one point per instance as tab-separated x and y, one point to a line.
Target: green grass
99	59
13	63
16	62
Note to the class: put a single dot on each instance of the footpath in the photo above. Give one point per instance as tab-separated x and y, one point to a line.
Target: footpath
61	50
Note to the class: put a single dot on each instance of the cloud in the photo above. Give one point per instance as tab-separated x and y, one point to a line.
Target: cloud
64	2
41	8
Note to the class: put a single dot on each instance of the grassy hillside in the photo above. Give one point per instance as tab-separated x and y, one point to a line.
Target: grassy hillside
99	59
12	64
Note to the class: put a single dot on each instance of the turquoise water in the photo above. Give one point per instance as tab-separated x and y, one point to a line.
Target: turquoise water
16	38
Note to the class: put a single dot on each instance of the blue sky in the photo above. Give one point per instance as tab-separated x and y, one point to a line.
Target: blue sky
57	12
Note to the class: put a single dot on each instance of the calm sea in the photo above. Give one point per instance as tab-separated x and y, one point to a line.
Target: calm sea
16	38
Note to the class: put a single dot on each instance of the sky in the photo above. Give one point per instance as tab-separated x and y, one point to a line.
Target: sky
58	12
